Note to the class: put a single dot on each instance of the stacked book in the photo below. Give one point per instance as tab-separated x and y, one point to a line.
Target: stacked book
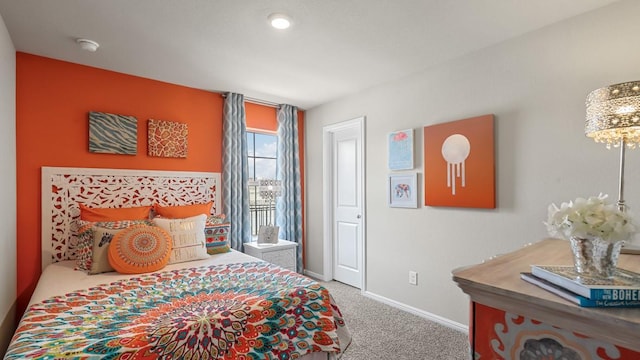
623	290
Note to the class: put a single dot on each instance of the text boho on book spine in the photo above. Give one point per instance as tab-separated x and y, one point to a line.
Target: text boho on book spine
624	286
573	297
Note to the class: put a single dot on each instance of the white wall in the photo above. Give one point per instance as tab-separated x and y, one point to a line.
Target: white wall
7	186
536	86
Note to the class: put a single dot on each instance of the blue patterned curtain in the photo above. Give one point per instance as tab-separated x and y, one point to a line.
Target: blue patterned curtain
289	205
235	170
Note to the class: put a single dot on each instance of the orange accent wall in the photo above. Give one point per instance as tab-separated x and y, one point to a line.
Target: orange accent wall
53	99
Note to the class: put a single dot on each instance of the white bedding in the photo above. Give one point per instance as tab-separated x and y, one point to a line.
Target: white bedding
61	278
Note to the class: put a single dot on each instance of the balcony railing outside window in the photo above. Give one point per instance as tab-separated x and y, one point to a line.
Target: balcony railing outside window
261	214
262	154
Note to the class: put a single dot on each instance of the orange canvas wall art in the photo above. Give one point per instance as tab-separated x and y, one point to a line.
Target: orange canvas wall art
459	163
167	139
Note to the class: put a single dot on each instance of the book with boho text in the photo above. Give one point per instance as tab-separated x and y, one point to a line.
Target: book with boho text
623	286
573	297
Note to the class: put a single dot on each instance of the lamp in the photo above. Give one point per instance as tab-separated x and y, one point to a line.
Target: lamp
269	189
613	118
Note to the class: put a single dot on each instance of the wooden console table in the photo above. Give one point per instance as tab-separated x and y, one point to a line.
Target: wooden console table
509	315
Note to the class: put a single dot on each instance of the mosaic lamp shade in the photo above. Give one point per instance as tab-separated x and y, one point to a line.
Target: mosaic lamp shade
613	118
270	189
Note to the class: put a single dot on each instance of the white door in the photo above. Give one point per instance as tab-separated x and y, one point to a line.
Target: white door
346	201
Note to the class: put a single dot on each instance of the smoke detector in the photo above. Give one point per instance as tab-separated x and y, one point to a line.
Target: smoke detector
88	45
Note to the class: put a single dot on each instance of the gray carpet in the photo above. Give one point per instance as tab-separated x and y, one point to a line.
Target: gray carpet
383	332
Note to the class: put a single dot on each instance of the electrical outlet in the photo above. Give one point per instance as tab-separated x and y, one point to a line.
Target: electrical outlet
413	278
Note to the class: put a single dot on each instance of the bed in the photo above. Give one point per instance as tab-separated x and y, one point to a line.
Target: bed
225	306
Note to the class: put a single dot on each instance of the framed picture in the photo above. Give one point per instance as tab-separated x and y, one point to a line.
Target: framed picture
401	150
403	190
268	234
459	168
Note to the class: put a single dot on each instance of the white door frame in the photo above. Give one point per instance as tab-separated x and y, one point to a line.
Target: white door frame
327	202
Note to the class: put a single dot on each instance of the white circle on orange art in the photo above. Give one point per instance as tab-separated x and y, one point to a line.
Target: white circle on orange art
456	149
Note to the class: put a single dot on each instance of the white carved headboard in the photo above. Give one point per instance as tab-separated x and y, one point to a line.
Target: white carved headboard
64	188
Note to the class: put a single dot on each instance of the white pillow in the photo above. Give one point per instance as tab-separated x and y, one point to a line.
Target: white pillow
189	242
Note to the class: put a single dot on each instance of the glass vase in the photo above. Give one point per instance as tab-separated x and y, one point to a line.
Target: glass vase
595	257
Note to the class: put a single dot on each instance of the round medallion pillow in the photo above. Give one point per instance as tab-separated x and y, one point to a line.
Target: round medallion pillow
140	249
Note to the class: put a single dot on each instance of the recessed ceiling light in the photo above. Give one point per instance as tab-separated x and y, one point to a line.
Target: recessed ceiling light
279	21
88	45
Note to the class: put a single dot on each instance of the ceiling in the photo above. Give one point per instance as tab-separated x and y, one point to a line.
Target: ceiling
334	47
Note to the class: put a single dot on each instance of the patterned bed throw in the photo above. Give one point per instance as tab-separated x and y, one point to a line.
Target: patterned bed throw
236	311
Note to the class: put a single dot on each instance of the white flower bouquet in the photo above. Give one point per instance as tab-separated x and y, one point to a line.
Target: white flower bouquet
589	218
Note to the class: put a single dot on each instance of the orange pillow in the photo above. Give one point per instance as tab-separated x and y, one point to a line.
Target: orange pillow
183	211
114	214
140	249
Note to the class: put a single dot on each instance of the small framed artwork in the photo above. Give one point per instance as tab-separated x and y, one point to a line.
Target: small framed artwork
401	150
268	234
403	190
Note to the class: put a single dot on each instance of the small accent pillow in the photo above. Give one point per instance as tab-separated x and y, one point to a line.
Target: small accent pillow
99	256
84	247
139	249
188	238
114	214
217	238
183	211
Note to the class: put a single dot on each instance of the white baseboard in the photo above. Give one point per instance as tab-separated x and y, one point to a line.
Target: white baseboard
410	309
316	276
404	307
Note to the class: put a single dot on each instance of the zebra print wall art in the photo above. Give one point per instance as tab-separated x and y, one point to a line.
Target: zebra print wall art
113	134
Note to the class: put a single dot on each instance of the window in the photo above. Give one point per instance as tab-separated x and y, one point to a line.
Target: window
262	149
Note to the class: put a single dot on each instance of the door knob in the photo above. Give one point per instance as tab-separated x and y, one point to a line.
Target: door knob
358	216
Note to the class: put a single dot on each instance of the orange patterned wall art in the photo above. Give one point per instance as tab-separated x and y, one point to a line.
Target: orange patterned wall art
459	168
167	138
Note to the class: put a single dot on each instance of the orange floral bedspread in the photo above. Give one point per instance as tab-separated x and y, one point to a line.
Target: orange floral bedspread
236	311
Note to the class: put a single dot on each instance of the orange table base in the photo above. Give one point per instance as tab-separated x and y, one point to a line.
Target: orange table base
497	334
